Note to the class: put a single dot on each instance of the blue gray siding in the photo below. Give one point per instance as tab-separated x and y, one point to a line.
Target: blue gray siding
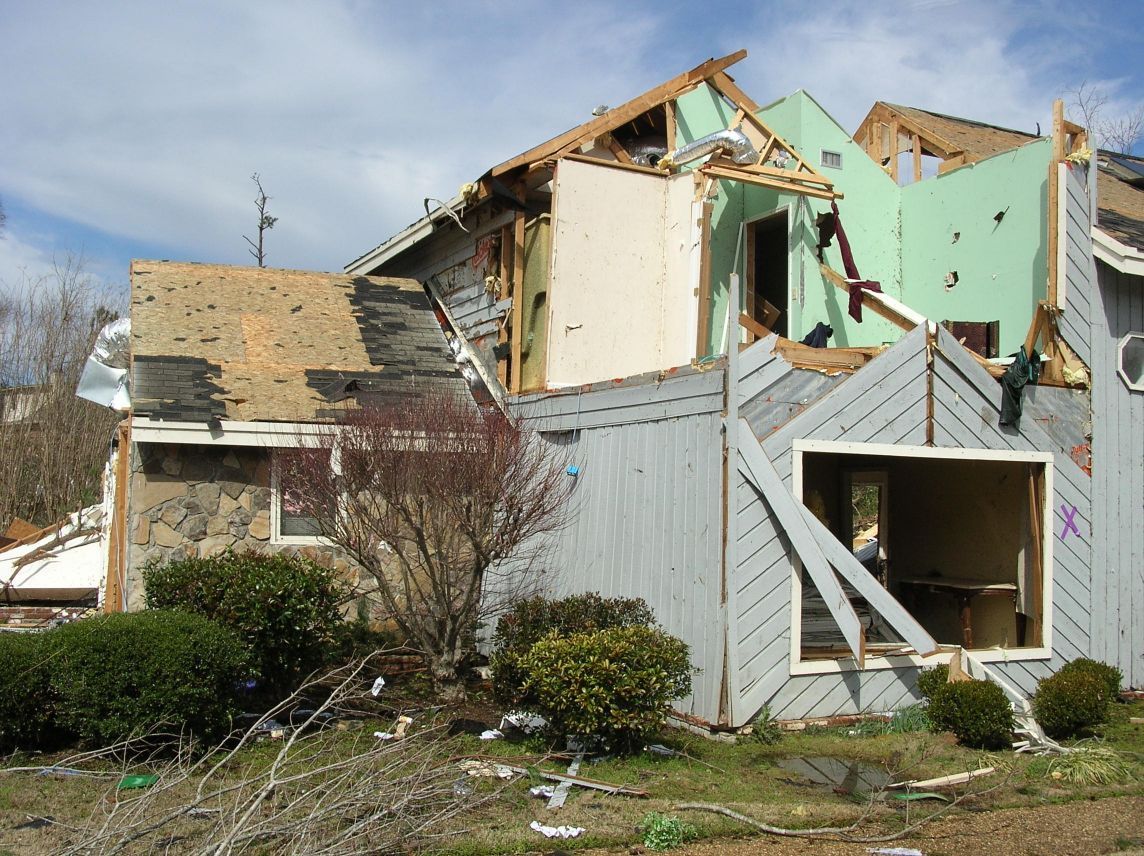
1117	620
885	402
1076	308
647	507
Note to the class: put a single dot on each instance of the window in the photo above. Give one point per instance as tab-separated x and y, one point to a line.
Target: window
961	538
831	159
1131	361
288	523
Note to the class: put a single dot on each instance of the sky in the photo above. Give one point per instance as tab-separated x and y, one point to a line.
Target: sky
131	129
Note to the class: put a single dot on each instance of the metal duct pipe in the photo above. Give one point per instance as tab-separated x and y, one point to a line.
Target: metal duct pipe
732	140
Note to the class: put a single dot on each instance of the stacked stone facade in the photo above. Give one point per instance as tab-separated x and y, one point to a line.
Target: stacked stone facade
190	500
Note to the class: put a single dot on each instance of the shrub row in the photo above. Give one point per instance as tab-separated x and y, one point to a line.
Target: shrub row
108	678
1077	697
284	607
591	666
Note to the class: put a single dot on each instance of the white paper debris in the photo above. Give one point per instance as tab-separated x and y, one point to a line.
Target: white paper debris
542	791
556	831
895	851
377	685
526	722
383	735
491	734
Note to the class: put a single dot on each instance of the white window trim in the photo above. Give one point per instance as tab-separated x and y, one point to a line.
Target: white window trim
798	666
1132	385
822	153
276	536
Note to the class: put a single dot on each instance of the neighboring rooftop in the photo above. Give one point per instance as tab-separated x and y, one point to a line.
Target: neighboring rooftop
240	343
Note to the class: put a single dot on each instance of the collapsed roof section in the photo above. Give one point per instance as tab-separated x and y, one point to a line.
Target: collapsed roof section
637	135
213	342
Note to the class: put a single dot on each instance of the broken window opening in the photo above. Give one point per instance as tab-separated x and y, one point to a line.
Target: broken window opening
766	297
960	542
288	522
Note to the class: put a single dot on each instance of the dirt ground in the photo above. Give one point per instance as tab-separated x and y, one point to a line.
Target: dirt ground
1114	825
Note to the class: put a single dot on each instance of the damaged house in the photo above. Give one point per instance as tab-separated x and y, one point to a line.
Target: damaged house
231	367
777	354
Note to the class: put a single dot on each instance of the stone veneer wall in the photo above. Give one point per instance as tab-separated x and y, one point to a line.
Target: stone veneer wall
201	500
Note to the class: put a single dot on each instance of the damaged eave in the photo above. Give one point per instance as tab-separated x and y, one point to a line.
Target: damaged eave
1123	257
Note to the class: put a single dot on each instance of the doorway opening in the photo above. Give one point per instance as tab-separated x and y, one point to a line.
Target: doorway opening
768	270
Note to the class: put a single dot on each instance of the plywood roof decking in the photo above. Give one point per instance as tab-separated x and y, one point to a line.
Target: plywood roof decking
214	341
1121	206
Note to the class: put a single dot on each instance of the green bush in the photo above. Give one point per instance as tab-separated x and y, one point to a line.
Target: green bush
931	680
976	711
1110	676
284	607
615	684
664	833
122	675
535	618
1070	701
26	700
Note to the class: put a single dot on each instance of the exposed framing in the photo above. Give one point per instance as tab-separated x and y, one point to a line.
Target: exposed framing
798	666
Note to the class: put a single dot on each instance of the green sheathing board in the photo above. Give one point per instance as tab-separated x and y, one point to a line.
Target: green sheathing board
1001	267
697	114
902	237
870	213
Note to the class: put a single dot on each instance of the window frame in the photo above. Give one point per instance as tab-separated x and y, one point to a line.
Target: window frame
1044	651
1135	386
276	496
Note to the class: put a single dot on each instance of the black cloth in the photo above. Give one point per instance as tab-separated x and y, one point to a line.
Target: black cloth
1023	370
818	337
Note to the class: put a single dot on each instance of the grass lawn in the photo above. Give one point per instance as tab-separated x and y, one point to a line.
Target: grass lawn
748	776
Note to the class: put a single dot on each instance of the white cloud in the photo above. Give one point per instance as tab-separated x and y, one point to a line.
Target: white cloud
145	120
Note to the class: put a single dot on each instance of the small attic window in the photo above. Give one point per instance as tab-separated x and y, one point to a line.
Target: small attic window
1131	361
832	159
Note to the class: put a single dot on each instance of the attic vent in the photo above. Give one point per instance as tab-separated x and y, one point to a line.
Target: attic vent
832	159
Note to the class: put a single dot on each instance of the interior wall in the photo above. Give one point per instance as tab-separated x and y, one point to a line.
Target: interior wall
612	311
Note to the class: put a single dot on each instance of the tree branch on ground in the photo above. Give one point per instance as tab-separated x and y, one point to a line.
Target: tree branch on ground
444	505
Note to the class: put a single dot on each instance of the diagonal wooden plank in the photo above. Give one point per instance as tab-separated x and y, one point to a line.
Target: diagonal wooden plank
758	469
896	615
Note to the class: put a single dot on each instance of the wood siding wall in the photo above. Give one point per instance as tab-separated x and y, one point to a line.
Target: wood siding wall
1117	621
885	402
647	507
1076	238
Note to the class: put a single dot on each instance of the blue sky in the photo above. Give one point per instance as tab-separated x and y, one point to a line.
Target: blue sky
131	129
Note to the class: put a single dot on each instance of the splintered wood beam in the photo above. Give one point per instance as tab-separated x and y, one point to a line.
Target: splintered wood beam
619	151
775	172
831	359
724	84
869	300
763	181
621	115
752	326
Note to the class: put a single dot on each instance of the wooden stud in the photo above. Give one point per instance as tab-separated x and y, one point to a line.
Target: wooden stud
703	334
504	272
894	152
118	537
517	298
868	302
763	181
917	157
669	123
619	151
630	167
1054	182
1036	620
753	327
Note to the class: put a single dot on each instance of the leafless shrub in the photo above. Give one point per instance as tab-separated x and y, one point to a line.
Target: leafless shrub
52	445
433	497
321	791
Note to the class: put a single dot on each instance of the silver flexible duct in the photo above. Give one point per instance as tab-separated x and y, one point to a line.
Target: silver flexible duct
731	140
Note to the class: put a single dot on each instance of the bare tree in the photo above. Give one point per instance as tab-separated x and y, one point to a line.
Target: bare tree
433	498
52	445
1119	134
265	222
